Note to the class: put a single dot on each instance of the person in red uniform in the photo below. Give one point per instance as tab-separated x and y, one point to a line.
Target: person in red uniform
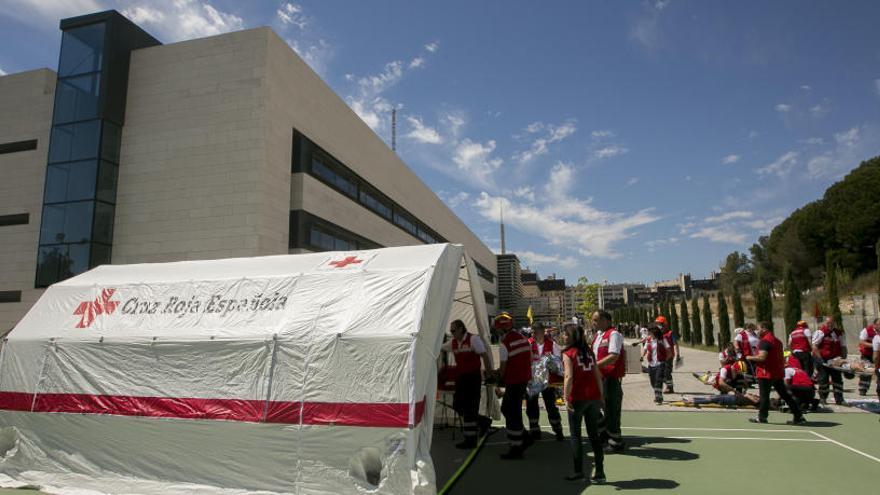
470	354
542	346
770	372
515	372
746	342
829	342
582	388
866	353
800	346
654	355
671	352
609	351
800	385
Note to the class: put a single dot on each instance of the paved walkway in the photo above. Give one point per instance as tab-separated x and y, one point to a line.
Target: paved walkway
638	395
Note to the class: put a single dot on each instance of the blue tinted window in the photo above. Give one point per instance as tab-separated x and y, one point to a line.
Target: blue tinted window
82	50
100	255
70	181
103	223
61	262
407	224
75	141
107	177
320	239
70	222
111	142
376	205
320	169
76	98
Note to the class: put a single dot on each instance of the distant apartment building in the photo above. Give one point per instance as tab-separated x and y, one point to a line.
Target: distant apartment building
226	146
510	286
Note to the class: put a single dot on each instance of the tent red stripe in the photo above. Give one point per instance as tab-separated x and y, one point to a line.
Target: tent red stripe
375	415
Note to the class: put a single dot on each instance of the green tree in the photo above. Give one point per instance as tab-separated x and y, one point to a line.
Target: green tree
736	271
739	316
696	324
763	301
792	312
590	295
685	322
673	320
831	288
708	327
723	321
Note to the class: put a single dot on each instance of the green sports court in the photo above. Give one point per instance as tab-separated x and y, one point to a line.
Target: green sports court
689	452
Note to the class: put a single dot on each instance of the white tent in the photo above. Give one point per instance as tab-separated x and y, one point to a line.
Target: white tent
309	373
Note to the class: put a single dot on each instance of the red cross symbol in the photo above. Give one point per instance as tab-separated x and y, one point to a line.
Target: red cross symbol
351	260
89	310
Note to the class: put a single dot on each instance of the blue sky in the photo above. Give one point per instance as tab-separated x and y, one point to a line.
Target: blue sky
627	141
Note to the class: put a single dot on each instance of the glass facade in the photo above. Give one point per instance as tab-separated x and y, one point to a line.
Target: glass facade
79	197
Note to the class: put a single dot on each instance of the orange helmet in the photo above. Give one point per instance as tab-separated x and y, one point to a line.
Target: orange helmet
503	322
660	319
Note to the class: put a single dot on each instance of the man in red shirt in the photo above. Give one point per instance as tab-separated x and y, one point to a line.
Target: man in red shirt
515	372
609	352
470	356
542	345
829	342
770	372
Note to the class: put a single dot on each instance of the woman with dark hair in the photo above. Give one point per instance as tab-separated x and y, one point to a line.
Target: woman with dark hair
582	386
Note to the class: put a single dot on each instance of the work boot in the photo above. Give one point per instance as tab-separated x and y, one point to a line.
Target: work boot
599	477
559	435
528	441
757	420
535	435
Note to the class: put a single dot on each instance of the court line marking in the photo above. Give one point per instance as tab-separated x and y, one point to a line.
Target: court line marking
761	430
754	438
847	447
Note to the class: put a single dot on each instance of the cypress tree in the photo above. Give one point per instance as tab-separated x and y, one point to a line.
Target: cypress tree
831	287
685	322
763	302
673	320
739	316
723	321
792	312
708	327
696	324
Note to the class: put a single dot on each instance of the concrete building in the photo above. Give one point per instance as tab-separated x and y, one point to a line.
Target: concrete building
510	286
225	146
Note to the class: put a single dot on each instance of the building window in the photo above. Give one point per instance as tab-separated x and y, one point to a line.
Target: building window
485	273
371	202
309	158
490	298
82	50
321	170
310	232
76	98
17	146
17	219
10	296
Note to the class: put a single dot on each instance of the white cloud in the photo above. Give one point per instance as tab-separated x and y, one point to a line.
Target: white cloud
525	192
566	221
806	87
454	200
531	258
720	233
45	14
540	146
2	72
561	179
782	166
729	216
177	20
753	134
609	152
421	133
476	161
317	54
877	86
417	62
814	141
652	245
432	47
819	110
454	122
632	181
292	14
764	225
730	159
602	134
850	147
782	108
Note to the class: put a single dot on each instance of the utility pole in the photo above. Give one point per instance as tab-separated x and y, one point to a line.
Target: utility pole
394	129
501	211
